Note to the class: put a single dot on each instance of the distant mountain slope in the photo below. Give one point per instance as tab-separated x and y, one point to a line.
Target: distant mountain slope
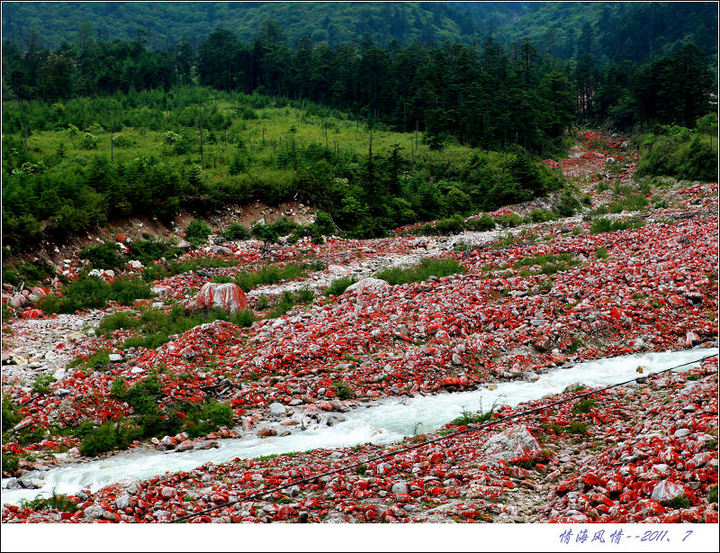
616	31
333	22
610	31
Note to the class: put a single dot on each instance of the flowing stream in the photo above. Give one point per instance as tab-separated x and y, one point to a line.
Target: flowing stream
382	422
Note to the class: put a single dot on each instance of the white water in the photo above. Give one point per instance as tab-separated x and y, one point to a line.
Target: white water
385	421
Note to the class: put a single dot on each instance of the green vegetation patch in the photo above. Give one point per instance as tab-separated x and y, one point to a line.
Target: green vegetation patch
154	327
424	270
549	263
88	292
604	224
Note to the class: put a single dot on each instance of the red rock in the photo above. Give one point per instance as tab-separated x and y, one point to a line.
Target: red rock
229	297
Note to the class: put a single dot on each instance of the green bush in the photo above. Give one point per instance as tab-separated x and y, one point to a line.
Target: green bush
99	440
264	232
42	384
147	251
197	232
104	256
156	326
121	319
343	391
272	274
10	416
679	152
541	216
550	264
679	502
451	225
468	417
125	290
508	220
482	223
568	204
339	285
424	270
10	463
601	253
93	293
236	232
583	406
59	502
283	226
603	224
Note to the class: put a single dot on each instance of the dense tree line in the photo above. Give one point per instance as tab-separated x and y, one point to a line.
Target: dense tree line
485	96
609	31
509	103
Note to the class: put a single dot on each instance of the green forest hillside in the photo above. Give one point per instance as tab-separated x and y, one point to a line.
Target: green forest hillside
611	31
334	23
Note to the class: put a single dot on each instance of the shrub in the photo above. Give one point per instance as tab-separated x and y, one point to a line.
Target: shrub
99	360
89	142
577	428
550	264
236	232
10	463
339	285
568	204
322	226
424	270
121	319
713	494
100	440
197	232
468	417
125	290
156	325
450	225
603	224
93	293
147	251
343	391
10	416
583	406
482	223
541	215
601	253
264	232
509	220
272	274
59	502
42	384
282	226
103	256
679	502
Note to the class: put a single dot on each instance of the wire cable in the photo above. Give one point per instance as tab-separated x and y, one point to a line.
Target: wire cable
473	428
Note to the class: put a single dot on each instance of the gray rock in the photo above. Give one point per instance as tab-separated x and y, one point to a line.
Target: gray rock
681	432
510	444
123	501
12	484
62	392
666	490
277	409
32	483
400	488
371	284
94	511
115	357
